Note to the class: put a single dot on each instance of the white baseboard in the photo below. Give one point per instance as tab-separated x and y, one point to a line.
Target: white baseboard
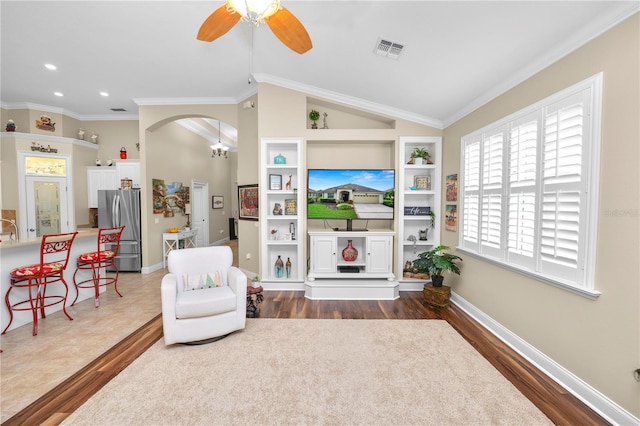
152	268
600	403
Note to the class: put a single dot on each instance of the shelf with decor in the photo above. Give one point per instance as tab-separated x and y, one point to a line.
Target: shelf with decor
418	203
281	213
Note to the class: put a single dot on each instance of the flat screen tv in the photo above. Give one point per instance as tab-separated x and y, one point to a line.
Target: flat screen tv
365	194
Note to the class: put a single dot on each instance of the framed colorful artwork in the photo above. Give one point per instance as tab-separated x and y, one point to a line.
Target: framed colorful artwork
248	202
217	202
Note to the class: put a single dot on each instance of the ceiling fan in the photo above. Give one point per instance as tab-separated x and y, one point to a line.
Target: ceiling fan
283	23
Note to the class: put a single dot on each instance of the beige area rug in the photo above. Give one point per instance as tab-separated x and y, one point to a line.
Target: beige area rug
304	371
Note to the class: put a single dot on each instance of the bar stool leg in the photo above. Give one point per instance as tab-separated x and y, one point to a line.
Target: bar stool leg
95	273
6	301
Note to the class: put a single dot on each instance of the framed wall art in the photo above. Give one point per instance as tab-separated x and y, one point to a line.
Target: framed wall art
248	202
217	202
422	182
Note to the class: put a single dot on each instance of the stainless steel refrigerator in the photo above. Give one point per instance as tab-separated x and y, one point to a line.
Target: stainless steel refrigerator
122	207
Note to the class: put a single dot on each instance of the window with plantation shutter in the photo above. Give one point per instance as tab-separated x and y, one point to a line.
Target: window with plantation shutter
529	188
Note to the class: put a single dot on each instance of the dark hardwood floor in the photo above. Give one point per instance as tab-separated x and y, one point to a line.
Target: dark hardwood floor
561	407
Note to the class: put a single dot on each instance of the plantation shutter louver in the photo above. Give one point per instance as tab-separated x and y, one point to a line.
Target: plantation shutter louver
470	195
492	185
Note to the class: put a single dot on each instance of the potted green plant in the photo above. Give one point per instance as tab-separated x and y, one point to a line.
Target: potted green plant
420	156
314	116
435	262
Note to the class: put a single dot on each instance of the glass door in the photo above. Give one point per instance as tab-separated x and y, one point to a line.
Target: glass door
46	205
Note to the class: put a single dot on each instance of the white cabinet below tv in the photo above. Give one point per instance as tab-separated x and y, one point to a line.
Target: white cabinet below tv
374	258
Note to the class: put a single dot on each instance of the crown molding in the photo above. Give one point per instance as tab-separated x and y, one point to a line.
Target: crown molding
349	100
564	48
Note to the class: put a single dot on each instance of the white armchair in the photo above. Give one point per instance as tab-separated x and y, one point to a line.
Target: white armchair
203	295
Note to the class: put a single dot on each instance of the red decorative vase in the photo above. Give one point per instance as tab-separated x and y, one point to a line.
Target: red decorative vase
349	253
123	153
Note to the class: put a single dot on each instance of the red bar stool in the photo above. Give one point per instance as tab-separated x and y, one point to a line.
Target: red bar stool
97	261
54	256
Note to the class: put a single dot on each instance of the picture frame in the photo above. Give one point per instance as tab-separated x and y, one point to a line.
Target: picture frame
422	182
217	202
275	182
126	184
290	206
451	217
452	187
248	197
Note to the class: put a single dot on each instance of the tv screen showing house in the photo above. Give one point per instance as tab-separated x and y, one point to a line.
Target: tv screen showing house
366	194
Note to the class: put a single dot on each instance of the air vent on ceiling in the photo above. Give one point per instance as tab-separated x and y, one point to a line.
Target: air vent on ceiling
118	109
388	48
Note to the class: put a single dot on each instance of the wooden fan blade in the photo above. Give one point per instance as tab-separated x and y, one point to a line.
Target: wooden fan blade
217	24
290	31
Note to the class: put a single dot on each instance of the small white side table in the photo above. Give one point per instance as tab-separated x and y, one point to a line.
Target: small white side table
177	241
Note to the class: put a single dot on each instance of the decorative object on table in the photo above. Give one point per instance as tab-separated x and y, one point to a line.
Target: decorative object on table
173	230
254	298
324	121
422	182
273	234
275	182
314	116
279	159
452	187
291	206
435	262
277	209
416	210
45	123
451	217
94	137
41	148
422	234
292	230
126	184
98	161
217	201
109	162
288	184
123	153
248	202
413	239
349	253
279	268
420	156
11	126
288	267
81	134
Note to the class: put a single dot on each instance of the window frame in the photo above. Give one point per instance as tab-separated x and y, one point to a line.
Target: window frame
583	283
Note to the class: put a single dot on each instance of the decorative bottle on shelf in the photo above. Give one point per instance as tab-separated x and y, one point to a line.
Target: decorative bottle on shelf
350	253
279	267
288	267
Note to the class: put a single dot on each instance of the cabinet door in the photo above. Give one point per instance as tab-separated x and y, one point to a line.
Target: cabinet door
99	178
323	255
129	171
379	254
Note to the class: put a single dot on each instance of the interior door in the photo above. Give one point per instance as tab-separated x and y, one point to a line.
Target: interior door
46	198
200	212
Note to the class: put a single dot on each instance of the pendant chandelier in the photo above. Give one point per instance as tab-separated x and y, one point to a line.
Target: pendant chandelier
219	150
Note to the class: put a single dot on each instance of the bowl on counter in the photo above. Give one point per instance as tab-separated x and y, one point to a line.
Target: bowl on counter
173	230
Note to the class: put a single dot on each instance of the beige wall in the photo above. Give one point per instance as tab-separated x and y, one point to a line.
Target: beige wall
598	341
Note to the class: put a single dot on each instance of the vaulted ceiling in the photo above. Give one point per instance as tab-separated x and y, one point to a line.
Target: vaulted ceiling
456	55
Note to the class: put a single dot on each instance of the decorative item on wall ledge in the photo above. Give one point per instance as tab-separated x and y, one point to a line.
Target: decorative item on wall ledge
81	134
314	116
40	148
45	123
324	121
422	183
217	201
248	202
94	138
11	126
123	153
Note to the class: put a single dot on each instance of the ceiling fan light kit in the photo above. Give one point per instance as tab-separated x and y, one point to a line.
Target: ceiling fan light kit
254	11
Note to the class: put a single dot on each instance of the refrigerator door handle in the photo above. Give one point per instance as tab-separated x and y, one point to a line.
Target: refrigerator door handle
115	211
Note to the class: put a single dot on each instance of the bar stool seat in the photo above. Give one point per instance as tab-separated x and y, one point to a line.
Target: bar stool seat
35	278
97	262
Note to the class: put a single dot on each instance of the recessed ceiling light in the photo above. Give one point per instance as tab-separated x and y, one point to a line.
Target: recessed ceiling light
50	67
58	94
105	94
